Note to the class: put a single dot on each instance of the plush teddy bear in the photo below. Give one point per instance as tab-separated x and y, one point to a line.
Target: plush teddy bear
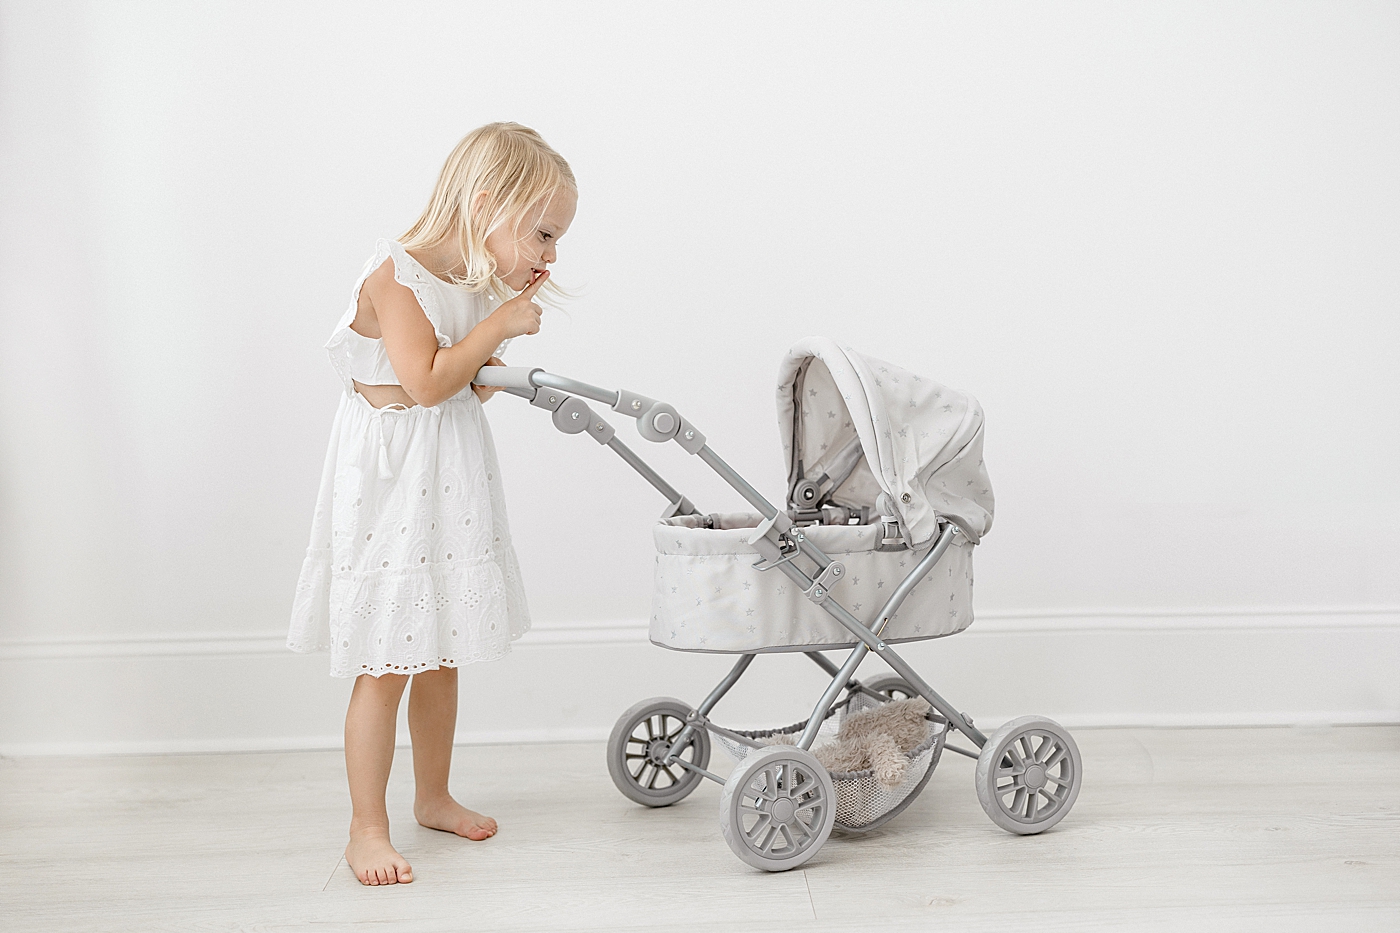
878	740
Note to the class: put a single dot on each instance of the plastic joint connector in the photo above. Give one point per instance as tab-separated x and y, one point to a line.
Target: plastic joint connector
658	421
573	416
548	399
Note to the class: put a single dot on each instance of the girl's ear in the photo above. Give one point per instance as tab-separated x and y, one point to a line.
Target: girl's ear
478	204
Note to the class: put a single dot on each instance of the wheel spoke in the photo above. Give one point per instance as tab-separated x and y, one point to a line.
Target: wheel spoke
767	788
1032	805
786	833
1047	748
633	756
671	736
1027	748
1054	798
655	773
671	774
754	805
1060	755
1014	754
761	820
770	833
803	785
809	830
814	797
1019	801
1012	772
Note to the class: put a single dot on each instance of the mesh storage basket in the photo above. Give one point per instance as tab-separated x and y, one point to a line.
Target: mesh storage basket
862	802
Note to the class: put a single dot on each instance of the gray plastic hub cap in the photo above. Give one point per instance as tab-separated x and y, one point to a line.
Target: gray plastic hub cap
1028	775
778	808
639	744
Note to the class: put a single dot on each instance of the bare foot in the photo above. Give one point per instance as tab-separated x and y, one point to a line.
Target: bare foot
450	816
374	860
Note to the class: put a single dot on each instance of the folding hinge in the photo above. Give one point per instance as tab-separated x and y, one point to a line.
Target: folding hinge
821	586
890	538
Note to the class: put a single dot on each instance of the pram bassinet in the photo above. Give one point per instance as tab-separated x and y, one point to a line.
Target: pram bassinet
886	454
708	596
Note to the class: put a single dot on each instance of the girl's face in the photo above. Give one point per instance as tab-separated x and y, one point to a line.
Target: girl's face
529	248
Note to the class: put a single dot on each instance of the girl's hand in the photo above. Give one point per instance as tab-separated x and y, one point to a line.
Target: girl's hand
485	392
520	315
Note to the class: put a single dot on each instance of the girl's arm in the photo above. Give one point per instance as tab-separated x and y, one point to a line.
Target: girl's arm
428	373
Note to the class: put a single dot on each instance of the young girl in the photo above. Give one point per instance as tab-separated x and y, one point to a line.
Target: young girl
410	572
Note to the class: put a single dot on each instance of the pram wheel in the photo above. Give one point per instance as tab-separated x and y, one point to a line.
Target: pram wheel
778	808
1028	775
638	747
892	686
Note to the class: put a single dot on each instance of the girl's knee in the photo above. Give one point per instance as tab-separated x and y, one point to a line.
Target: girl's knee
385	685
437	675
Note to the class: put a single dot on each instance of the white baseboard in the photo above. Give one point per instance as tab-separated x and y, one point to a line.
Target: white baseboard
193	693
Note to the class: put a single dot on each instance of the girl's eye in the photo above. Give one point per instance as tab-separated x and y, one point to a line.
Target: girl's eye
544	236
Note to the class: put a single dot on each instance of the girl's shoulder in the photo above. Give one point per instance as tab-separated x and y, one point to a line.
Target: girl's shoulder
400	264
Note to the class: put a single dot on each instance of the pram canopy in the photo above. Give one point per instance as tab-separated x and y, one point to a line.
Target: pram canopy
921	441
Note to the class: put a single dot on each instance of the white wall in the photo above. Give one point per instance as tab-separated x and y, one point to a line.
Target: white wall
1158	242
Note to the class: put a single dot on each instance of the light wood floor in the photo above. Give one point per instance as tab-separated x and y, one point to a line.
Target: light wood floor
1175	829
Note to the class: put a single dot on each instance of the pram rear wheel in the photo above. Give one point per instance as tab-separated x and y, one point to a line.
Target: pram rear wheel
778	808
1028	775
892	686
640	742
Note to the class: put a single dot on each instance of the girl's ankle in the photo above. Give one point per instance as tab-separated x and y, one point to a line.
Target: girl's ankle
369	827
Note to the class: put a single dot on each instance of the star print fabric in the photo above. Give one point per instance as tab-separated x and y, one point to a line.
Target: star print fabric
707	596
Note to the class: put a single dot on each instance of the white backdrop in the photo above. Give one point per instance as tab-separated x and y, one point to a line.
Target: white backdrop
1158	242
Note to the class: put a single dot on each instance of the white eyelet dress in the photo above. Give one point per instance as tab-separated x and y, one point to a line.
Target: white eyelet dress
410	565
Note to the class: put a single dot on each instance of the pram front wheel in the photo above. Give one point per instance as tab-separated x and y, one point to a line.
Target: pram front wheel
1028	775
639	745
778	808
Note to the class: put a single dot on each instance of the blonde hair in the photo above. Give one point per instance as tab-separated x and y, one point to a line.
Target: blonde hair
516	169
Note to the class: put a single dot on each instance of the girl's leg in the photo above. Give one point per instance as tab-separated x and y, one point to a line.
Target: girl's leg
432	722
369	752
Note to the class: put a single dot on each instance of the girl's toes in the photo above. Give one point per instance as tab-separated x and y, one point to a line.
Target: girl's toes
405	874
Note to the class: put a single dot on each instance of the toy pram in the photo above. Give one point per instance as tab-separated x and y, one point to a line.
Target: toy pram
887	495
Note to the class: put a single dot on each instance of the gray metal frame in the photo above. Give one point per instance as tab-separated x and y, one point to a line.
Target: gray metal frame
778	540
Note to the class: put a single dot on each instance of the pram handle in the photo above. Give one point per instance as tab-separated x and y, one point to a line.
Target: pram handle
530	378
506	377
